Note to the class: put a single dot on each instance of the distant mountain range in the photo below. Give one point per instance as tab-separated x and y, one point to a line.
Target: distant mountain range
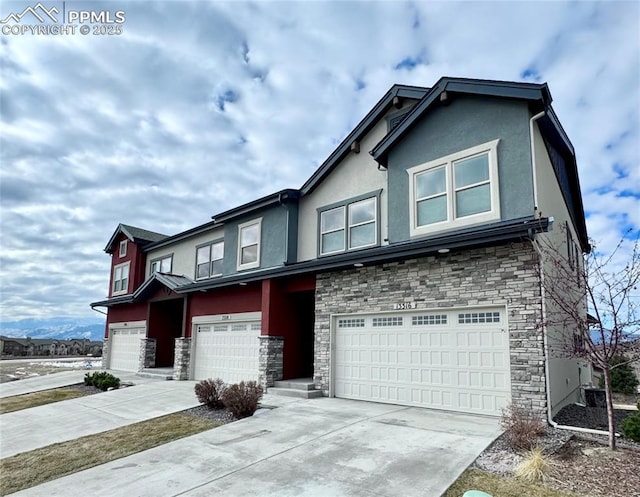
59	328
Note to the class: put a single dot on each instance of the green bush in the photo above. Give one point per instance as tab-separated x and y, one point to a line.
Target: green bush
101	380
209	392
631	427
623	378
88	379
242	399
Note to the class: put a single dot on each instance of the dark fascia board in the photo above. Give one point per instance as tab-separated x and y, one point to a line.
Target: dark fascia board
123	299
550	128
120	229
505	89
183	235
127	231
273	199
363	127
139	293
462	239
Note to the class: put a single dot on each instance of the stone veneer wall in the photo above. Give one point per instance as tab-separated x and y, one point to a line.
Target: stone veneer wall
182	358
271	360
105	354
147	353
503	275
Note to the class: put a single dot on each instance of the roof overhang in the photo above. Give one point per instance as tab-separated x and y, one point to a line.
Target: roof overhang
169	281
485	235
445	86
277	198
396	93
524	228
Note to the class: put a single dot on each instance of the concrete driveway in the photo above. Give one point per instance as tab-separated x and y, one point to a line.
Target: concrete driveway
314	448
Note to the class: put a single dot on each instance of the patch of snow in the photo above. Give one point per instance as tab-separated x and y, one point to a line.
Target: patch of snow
71	364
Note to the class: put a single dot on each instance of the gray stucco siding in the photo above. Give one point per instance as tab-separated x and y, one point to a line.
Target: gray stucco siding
468	121
273	238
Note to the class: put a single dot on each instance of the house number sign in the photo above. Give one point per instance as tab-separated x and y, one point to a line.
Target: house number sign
401	306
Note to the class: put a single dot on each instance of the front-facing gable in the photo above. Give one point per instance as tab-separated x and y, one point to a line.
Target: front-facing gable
405	144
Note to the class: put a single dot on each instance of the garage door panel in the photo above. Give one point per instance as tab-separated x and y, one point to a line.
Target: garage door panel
124	353
228	351
455	360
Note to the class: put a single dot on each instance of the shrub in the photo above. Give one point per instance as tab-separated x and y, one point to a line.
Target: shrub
242	399
101	380
522	428
534	466
88	379
209	392
623	378
631	427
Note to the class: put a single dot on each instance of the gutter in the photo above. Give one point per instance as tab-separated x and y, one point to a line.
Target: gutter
547	377
533	160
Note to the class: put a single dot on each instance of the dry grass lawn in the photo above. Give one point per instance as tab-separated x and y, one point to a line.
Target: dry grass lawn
29	469
500	486
35	399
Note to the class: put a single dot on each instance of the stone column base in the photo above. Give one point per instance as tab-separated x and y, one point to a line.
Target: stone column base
271	365
105	354
147	353
182	358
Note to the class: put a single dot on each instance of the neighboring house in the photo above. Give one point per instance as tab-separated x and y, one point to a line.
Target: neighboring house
48	346
402	271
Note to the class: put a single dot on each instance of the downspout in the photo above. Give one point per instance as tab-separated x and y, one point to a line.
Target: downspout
547	376
533	160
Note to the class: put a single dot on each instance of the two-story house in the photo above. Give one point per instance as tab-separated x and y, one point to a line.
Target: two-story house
403	271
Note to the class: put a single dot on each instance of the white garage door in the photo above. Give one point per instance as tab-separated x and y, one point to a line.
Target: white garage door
228	351
124	353
454	360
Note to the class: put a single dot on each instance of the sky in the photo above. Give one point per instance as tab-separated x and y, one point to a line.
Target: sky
196	107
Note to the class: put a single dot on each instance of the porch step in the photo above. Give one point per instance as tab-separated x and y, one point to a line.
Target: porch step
159	373
294	392
297	384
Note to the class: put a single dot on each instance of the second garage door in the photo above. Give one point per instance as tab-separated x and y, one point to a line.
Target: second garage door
124	353
455	360
228	351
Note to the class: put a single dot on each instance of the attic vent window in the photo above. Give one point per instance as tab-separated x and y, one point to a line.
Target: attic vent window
395	121
122	252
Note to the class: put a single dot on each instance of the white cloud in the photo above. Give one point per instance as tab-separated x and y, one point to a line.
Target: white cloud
200	106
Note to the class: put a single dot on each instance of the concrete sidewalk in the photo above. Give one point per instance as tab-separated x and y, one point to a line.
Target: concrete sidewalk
40	426
44	382
308	448
62	379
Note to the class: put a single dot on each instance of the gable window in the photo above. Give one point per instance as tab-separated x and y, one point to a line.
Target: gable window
120	279
249	244
123	248
209	259
350	226
457	190
162	265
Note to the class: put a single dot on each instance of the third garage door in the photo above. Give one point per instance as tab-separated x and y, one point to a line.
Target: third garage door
456	360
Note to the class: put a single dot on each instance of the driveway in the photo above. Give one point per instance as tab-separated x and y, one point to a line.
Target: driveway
314	448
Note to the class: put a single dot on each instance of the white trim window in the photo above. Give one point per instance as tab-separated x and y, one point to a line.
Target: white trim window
354	225
249	235
209	260
120	279
162	265
122	249
332	232
458	190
